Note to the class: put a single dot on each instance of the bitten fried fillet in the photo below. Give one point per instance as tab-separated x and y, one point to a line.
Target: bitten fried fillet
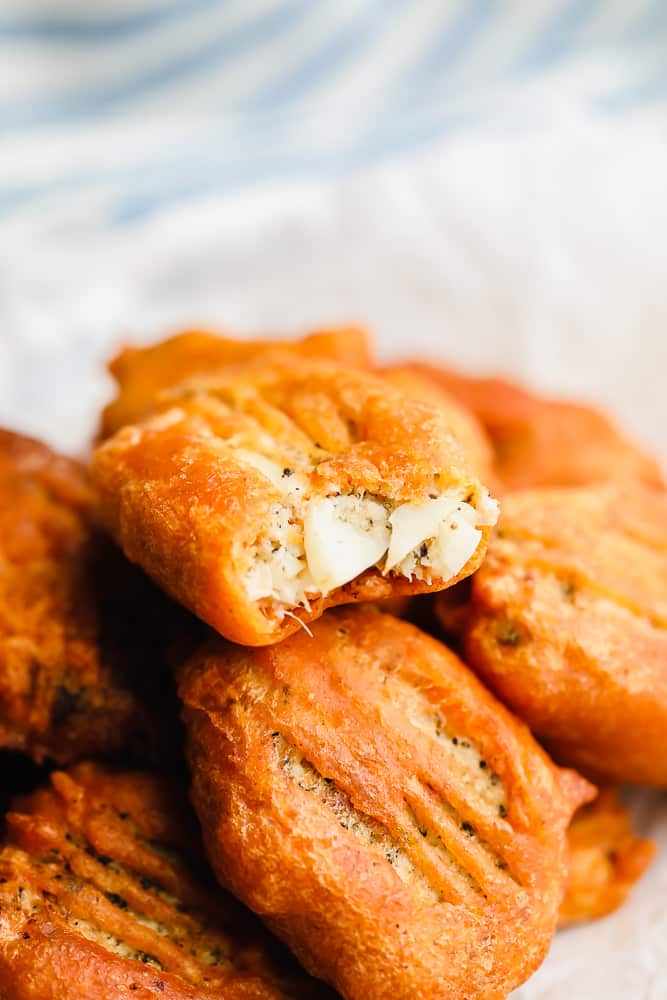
262	496
142	373
76	643
546	442
384	815
567	623
102	894
606	860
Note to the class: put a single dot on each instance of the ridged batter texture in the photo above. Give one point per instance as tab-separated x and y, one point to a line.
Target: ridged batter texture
142	373
80	629
261	496
567	622
368	798
607	859
466	428
102	894
540	441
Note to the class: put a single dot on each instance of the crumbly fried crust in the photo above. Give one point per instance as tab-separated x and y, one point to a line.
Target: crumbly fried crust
178	494
568	625
101	895
607	859
466	428
372	802
546	442
74	617
142	373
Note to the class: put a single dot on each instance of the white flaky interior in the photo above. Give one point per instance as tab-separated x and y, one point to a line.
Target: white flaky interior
317	543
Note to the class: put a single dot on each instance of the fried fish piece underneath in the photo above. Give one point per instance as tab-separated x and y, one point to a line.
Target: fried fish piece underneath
540	441
567	623
264	495
81	630
607	859
381	812
102	894
142	373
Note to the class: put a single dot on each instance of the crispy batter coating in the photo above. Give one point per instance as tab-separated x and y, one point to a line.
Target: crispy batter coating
77	624
102	894
466	428
606	860
268	493
568	625
373	803
546	442
142	373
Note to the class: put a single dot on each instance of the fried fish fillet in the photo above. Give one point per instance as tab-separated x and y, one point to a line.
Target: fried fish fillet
386	817
142	373
567	623
546	442
606	860
466	428
264	495
102	894
76	642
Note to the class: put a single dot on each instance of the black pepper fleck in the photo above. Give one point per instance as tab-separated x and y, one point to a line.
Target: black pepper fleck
116	900
508	634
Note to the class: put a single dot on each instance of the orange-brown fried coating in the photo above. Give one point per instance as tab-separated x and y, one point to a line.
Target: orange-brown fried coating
606	860
102	894
76	641
385	816
466	428
142	373
567	623
264	495
546	442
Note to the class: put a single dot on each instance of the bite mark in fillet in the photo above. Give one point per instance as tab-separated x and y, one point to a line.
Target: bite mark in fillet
317	543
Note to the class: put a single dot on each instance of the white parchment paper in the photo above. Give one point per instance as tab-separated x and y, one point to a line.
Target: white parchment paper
544	256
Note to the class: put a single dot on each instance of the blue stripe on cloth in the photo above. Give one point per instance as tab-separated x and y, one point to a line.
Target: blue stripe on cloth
227	45
558	37
138	207
96	29
449	47
328	59
652	88
651	22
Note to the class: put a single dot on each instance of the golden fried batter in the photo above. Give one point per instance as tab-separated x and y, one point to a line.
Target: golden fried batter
262	496
465	426
606	860
78	625
102	894
143	372
546	442
373	803
568	624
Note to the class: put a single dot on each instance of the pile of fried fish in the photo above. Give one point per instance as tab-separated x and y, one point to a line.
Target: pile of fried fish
320	678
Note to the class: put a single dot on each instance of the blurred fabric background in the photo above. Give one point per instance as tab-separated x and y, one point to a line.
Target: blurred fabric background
483	182
128	107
